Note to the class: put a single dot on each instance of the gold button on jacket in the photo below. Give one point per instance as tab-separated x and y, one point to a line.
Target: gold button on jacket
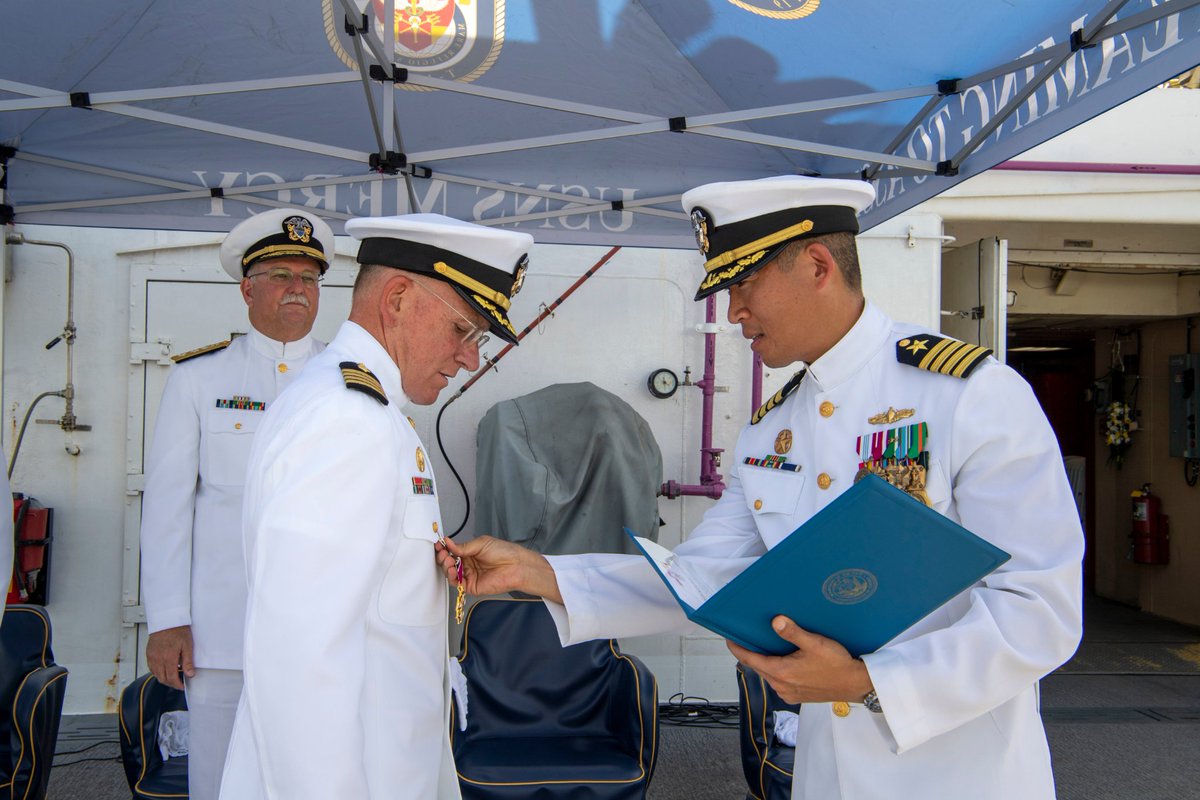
841	708
826	409
823	480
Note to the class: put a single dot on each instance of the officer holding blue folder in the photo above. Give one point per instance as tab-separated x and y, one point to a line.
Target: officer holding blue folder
949	708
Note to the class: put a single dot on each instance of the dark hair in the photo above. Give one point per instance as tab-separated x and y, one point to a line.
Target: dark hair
844	250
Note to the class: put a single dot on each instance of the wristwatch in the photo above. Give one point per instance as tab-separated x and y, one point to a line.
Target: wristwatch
871	701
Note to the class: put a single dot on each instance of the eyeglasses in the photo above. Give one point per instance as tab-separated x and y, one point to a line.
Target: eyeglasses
474	335
284	277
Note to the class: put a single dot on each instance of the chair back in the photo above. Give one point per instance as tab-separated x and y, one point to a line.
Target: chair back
32	688
767	763
143	702
548	721
523	681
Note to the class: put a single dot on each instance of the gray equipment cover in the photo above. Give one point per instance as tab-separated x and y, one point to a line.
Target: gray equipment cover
563	469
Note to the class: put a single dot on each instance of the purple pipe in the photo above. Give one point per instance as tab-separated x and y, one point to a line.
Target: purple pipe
1086	166
756	384
710	484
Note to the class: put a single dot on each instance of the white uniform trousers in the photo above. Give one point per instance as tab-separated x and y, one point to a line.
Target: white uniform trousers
212	698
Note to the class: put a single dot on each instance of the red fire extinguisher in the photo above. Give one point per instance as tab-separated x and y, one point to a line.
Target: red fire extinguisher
1150	536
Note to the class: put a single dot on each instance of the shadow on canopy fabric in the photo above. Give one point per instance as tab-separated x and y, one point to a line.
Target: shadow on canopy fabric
565	469
580	121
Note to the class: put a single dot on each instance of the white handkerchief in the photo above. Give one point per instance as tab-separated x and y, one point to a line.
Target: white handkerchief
458	687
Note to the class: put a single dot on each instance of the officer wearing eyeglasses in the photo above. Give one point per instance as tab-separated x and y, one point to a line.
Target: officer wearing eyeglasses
346	660
193	573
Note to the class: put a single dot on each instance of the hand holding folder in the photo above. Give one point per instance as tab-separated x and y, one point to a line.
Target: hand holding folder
861	571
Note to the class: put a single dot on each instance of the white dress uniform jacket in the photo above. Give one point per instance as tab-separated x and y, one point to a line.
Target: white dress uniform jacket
959	688
346	690
192	567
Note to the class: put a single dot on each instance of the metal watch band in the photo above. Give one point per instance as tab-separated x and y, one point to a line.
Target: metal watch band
871	701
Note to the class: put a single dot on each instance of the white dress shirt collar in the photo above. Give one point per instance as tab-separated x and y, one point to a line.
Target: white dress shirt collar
850	355
279	351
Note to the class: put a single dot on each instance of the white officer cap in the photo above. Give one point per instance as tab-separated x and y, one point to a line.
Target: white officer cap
486	266
277	233
741	225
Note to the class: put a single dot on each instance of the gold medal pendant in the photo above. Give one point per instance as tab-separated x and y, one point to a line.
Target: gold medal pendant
460	605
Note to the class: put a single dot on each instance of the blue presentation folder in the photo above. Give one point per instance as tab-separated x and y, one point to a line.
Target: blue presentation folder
861	571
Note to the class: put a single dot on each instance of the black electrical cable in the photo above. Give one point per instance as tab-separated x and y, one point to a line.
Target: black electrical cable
437	430
84	750
697	712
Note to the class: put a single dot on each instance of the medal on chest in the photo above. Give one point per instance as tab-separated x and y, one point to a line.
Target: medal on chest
898	454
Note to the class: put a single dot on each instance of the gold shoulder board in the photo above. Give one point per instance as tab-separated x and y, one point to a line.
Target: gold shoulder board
361	379
215	347
778	397
940	354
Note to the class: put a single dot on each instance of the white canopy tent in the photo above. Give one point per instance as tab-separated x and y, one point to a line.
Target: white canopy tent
580	121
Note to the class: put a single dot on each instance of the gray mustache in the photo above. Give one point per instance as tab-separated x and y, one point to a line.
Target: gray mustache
295	298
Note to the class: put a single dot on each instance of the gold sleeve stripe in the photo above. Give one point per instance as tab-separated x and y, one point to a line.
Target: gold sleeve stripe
729	256
469	283
969	361
946	356
933	353
361	379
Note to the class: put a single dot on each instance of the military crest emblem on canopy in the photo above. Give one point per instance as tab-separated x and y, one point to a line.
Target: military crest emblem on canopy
779	9
452	39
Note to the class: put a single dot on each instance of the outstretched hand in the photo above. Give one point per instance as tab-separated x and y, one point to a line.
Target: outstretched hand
820	671
494	566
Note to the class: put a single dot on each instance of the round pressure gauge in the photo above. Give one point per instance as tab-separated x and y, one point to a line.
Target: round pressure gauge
662	383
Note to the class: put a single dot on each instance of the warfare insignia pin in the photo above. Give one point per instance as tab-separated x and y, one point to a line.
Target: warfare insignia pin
700	229
420	460
783	442
891	415
298	229
519	279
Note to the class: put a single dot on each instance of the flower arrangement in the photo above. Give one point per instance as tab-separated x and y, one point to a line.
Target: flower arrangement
1116	432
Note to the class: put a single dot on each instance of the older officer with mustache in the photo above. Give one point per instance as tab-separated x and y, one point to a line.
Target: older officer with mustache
193	573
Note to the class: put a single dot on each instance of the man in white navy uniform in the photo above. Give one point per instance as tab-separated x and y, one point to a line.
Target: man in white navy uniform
193	578
347	688
949	708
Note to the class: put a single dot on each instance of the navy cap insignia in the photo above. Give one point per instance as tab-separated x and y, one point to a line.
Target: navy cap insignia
519	277
700	229
941	354
298	229
361	379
